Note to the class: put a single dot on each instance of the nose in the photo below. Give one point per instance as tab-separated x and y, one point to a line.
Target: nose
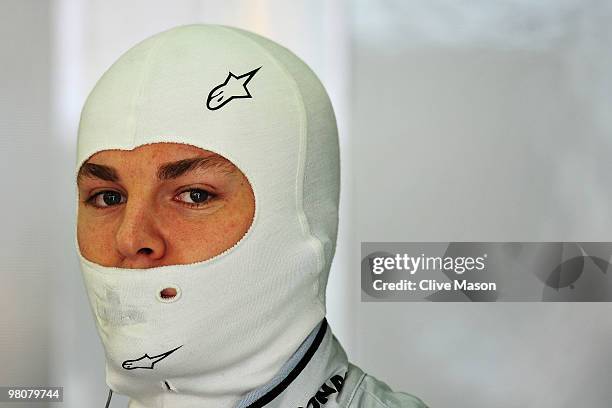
138	238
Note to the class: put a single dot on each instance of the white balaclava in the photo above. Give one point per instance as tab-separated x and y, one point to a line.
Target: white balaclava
240	315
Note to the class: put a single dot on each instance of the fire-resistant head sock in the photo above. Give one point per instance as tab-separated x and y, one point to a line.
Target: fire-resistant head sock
241	314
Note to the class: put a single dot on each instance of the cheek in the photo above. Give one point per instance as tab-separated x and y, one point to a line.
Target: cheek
95	237
197	240
212	234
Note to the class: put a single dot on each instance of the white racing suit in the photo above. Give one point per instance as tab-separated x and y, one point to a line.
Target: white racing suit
324	378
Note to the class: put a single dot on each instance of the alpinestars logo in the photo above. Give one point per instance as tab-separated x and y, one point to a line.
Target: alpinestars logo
233	87
147	362
321	397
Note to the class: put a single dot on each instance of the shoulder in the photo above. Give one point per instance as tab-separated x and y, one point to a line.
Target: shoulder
362	390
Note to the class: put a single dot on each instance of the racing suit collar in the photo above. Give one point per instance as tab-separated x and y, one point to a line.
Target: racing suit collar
321	362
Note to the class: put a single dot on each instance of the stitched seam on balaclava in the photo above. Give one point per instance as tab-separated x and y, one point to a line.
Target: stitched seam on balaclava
314	241
137	101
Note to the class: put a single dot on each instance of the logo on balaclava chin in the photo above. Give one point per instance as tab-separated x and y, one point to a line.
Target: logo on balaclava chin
146	361
233	87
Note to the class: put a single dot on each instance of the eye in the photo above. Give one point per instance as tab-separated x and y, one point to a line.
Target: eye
105	198
195	197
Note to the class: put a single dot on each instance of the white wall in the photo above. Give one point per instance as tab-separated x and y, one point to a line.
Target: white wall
483	121
26	247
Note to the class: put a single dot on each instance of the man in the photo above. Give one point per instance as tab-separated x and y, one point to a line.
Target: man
208	180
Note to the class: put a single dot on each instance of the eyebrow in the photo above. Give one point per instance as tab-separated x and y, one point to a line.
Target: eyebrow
166	171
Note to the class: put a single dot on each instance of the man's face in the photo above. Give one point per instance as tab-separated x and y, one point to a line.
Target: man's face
160	204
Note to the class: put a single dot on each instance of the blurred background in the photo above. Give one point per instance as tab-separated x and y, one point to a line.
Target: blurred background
460	120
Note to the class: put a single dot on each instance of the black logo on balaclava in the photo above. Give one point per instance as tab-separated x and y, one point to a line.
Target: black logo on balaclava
234	87
146	361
